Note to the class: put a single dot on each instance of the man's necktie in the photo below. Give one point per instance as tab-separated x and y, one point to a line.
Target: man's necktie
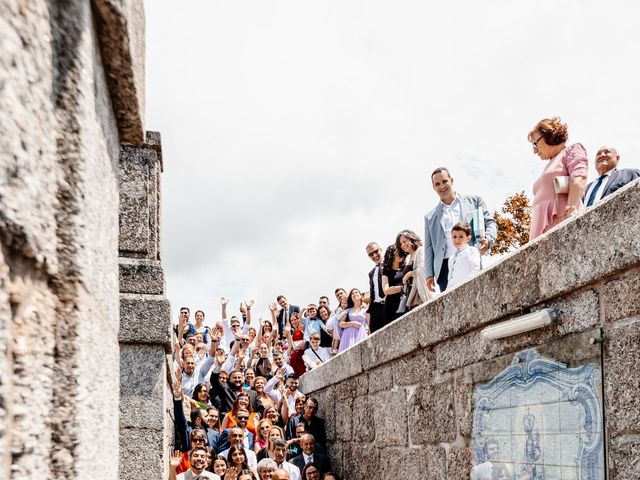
592	197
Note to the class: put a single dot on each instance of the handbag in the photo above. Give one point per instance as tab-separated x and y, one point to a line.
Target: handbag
402	308
561	184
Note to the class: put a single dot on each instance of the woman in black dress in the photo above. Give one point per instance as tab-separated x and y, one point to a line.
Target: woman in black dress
392	273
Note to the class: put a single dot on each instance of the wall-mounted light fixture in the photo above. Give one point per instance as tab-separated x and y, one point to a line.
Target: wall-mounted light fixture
521	324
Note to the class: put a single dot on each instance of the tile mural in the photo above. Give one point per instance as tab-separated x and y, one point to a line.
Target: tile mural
539	420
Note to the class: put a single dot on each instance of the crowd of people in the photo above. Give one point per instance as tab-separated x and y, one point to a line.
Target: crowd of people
238	412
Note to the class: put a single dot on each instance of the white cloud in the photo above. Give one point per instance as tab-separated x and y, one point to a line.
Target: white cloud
296	132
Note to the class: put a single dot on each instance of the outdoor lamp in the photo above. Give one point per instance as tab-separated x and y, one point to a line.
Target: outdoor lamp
522	324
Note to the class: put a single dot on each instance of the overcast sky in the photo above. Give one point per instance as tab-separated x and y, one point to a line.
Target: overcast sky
296	132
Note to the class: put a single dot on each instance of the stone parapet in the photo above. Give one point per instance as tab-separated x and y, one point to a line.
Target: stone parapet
146	408
404	397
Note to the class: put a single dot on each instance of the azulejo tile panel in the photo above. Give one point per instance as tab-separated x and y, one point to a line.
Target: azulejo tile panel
539	420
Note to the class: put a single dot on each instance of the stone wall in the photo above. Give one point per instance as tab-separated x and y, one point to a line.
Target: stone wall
71	92
400	404
146	406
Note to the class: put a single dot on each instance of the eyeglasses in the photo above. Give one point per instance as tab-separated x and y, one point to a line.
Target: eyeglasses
535	144
374	253
243	418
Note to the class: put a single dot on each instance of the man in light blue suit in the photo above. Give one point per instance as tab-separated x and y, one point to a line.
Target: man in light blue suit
453	208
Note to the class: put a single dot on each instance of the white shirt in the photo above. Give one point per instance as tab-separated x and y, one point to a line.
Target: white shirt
601	187
307	458
294	472
189	475
275	395
189	383
464	263
252	460
310	357
376	272
451	214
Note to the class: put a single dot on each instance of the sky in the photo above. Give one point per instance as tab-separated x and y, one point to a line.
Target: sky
295	132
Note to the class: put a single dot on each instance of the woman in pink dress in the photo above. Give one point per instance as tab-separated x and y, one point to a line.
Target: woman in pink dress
549	139
353	321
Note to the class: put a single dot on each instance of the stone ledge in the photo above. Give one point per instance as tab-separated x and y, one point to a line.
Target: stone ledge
120	27
549	267
346	365
143	276
145	319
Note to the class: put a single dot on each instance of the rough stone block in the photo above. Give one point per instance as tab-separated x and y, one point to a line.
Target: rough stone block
120	26
341	367
435	462
381	378
463	396
344	415
611	235
334	450
577	312
134	224
416	368
395	340
403	462
621	296
353	387
141	454
361	462
143	386
624	458
621	380
141	276
458	464
145	319
327	410
363	422
431	414
390	417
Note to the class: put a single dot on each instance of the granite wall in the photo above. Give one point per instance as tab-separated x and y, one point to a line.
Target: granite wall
146	405
400	404
71	93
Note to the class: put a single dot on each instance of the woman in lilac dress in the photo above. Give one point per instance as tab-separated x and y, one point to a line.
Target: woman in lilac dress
549	139
353	321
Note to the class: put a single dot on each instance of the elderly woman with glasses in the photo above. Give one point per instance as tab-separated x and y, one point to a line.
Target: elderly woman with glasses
552	202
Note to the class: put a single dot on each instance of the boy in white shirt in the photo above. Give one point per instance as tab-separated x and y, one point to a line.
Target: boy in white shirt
466	261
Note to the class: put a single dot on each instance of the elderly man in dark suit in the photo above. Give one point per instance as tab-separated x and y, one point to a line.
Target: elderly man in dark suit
611	178
376	295
308	455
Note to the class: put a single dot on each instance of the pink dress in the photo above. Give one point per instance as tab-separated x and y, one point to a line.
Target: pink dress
548	208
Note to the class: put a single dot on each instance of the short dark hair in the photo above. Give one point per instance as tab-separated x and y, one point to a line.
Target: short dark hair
293	375
201	311
279	442
338	289
280	297
439	170
462	227
194	449
185	308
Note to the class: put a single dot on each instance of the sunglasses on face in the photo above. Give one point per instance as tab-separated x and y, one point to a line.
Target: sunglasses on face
243	418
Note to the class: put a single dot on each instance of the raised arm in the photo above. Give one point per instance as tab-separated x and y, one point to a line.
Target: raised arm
223	304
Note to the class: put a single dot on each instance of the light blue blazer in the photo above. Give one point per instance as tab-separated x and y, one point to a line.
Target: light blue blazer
435	243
